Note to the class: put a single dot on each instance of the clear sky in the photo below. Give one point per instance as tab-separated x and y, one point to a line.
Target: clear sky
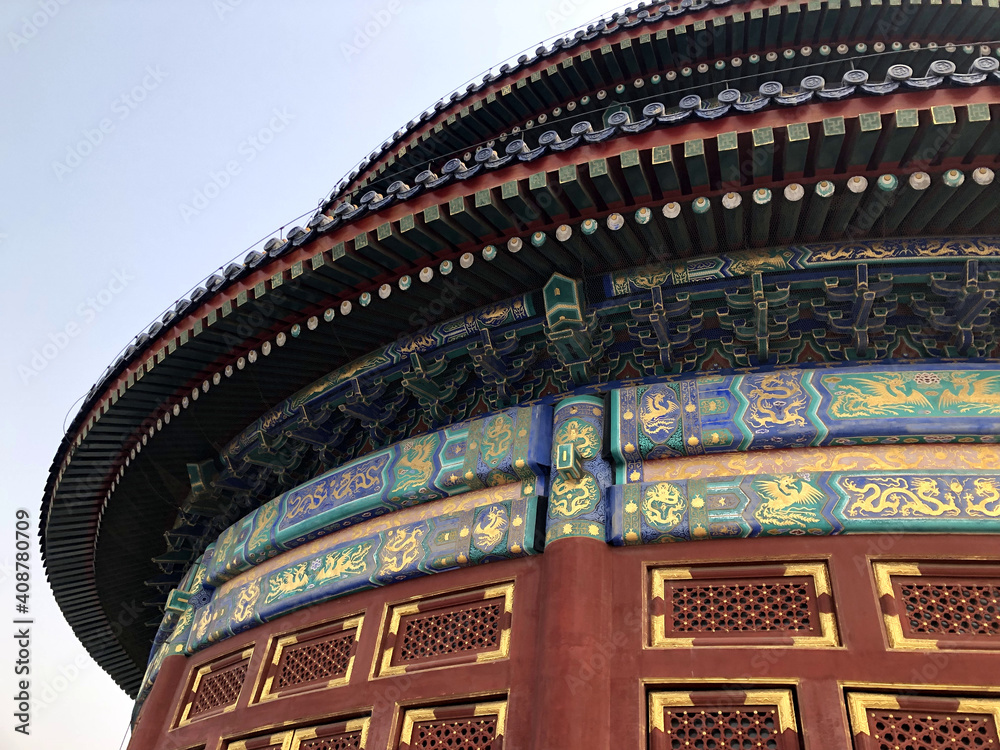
114	114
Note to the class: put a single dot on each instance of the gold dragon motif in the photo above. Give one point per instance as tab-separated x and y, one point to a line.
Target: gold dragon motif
830	458
245	602
492	315
748	264
182	623
904	496
420	342
581	433
201	626
224	547
499	434
924	248
776	399
343	485
651	277
262	527
344	562
401	548
335	378
415	467
663	505
286	582
570	497
989	502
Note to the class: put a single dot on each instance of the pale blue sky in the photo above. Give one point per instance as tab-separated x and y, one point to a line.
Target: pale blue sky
96	241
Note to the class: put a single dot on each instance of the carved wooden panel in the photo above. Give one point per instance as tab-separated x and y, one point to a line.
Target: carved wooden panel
447	630
723	720
763	604
908	722
215	687
317	658
477	726
947	606
341	735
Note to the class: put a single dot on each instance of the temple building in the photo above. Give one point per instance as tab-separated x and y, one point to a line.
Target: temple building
643	394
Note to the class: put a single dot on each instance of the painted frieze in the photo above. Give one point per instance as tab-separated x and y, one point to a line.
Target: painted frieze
805	503
793	408
799	258
494	523
921	456
509	446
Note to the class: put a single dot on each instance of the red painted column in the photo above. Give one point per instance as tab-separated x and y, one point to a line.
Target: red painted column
158	709
573	685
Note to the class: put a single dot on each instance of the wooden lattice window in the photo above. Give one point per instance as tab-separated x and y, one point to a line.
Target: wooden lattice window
314	659
723	720
280	741
341	735
931	605
477	726
750	605
447	630
910	722
215	687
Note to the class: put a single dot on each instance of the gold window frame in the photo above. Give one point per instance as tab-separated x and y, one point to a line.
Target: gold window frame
206	669
394	613
292	739
278	642
897	639
818	571
858	704
414	715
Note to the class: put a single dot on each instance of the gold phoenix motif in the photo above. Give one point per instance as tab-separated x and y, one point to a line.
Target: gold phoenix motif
659	412
905	394
788	501
490	528
972	392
